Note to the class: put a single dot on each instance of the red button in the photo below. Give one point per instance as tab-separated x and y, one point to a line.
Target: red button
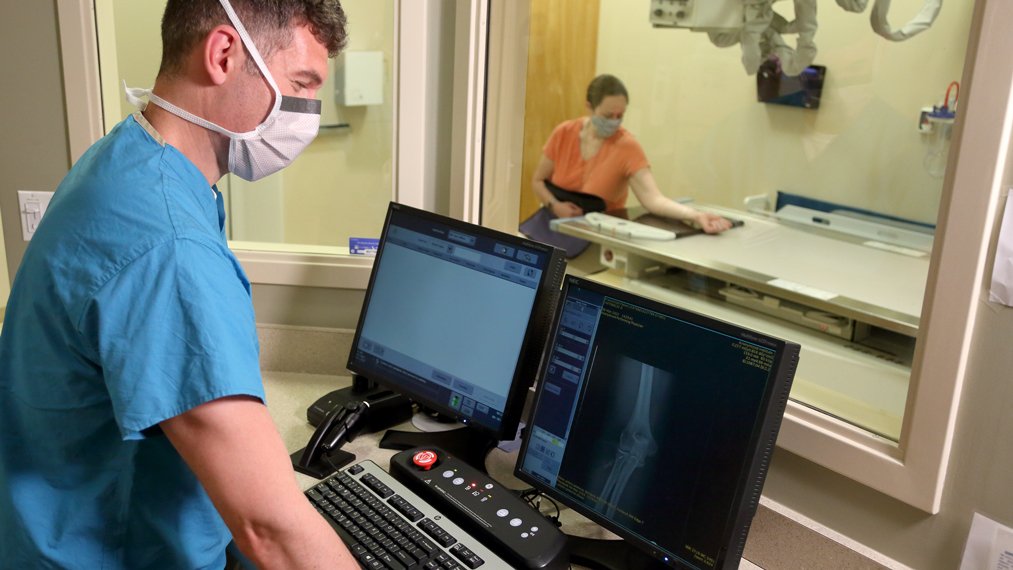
425	460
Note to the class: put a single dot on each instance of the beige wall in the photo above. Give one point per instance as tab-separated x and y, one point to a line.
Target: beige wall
694	110
34	147
339	187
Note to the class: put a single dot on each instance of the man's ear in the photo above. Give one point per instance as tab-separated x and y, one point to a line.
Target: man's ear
223	53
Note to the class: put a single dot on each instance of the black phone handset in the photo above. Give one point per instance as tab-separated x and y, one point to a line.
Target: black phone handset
323	455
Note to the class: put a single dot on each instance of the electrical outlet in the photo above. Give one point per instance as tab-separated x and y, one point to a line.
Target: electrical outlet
33	205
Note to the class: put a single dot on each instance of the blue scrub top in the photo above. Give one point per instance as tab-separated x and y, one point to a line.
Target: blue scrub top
128	309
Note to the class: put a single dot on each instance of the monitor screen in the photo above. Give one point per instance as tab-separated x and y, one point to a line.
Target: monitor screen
455	317
656	422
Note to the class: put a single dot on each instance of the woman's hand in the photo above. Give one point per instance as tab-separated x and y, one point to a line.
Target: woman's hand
565	209
711	223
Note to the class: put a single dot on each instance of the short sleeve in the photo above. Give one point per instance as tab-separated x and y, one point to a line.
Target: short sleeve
553	148
635	157
175	329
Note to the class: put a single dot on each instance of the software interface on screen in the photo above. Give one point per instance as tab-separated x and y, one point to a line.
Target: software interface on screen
447	315
644	420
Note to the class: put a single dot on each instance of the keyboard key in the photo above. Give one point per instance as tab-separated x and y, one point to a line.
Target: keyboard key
391	562
464	554
377	486
404	558
406	508
426	545
436	531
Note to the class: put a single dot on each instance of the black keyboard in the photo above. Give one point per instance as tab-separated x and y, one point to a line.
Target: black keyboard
387	526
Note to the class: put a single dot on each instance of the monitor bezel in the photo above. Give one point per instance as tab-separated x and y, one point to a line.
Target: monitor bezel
761	442
529	357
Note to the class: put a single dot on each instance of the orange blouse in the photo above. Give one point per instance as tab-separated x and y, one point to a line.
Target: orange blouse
606	174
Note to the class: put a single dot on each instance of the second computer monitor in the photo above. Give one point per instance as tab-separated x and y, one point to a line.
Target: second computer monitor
455	317
657	423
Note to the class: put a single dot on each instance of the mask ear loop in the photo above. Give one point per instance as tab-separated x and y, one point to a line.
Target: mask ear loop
255	54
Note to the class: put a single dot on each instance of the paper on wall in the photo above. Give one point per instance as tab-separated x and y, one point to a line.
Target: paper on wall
1002	273
989	545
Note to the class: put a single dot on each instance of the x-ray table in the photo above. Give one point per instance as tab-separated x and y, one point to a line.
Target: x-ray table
786	280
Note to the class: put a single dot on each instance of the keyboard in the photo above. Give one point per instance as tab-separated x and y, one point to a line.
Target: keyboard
388	527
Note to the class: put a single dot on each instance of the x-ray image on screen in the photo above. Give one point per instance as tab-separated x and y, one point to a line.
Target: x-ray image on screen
628	442
655	408
653	422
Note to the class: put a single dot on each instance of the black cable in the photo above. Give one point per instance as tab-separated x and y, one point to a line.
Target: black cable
533	498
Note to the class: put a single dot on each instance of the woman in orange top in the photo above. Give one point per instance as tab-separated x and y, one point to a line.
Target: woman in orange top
595	155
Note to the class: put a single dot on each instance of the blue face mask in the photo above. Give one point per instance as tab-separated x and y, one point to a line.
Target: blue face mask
605	127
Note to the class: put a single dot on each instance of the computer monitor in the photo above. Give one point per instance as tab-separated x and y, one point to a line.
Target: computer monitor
455	318
658	424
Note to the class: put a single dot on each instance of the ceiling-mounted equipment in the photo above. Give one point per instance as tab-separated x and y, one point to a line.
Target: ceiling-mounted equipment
759	29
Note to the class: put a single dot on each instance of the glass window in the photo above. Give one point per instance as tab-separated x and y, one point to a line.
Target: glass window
710	141
340	186
694	109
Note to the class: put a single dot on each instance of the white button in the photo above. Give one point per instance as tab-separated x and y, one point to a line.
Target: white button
515	522
448	474
524	535
502	513
488	485
534	529
458	481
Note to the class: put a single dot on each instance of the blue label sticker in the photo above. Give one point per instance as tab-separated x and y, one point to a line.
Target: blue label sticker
363	246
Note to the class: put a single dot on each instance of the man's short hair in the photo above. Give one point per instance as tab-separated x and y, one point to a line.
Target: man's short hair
603	86
186	23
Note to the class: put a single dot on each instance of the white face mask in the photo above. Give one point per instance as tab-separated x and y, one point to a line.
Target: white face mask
290	127
605	127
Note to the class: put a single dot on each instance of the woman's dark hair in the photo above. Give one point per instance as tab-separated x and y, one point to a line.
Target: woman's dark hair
604	86
186	23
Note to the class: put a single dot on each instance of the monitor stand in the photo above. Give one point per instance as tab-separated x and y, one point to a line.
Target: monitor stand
467	444
602	554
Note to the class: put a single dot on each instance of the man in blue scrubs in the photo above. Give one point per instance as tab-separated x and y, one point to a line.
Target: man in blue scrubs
133	432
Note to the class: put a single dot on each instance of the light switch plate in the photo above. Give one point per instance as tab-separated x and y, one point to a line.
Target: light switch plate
32	205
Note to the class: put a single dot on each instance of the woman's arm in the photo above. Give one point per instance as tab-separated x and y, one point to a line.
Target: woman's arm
646	190
560	209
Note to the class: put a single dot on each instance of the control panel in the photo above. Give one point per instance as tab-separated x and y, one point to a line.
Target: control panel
492	513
